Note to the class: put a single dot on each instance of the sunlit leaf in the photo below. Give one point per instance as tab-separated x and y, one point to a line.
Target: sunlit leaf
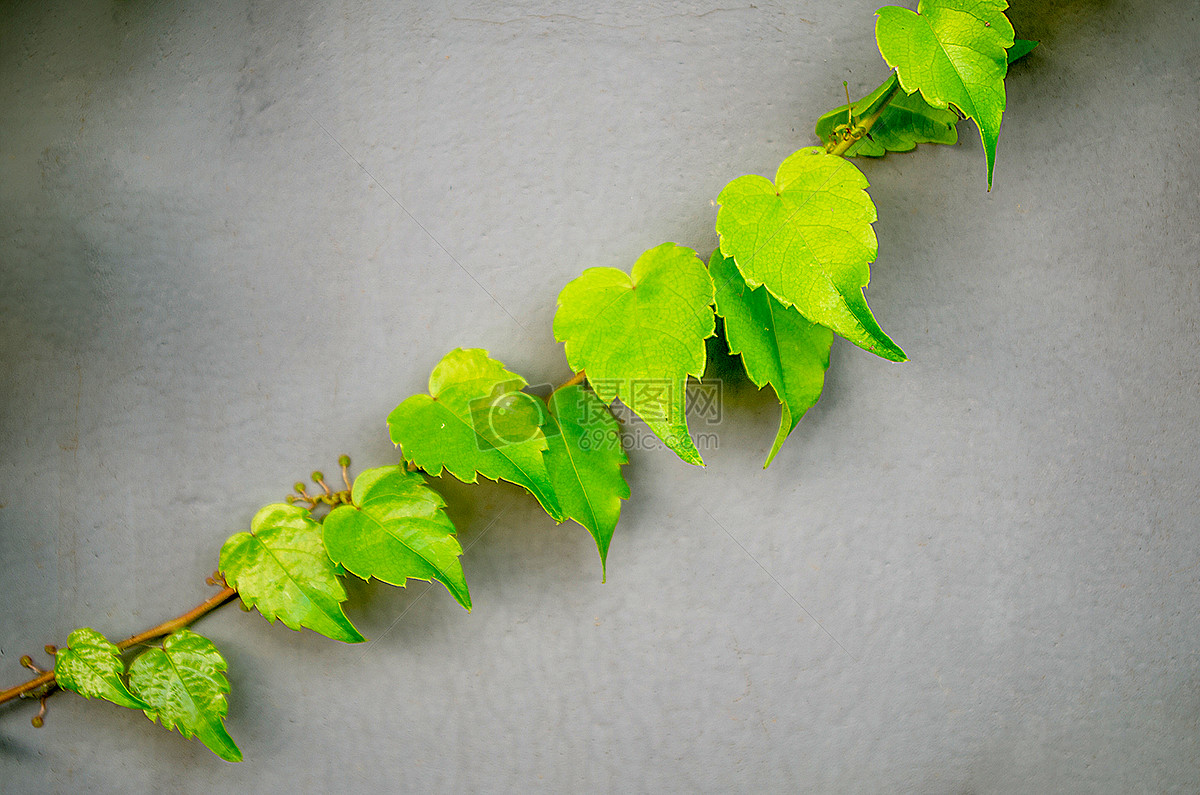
476	421
91	666
281	568
807	237
954	53
639	336
396	530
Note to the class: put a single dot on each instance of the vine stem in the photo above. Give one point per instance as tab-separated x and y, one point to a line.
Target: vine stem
47	679
167	627
874	112
578	378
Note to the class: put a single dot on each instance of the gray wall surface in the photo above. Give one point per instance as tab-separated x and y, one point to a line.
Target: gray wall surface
234	235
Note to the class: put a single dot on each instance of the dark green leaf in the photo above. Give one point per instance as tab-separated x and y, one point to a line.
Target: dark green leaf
584	461
1020	48
778	345
906	121
184	685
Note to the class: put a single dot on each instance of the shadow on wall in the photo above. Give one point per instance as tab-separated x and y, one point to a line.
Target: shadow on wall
1036	19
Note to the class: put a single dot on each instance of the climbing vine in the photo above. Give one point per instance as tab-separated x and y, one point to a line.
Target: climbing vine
790	273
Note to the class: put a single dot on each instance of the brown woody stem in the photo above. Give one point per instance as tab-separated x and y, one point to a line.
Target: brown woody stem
578	378
167	627
46	680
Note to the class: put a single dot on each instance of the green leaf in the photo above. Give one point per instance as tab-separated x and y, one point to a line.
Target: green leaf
91	666
808	239
953	52
584	460
777	344
396	530
281	568
906	121
476	421
640	336
184	685
1019	49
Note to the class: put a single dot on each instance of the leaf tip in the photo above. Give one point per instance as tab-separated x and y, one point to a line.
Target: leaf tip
891	351
233	755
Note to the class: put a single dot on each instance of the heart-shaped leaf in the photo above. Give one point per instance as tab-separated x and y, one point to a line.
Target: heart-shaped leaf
639	336
396	530
184	685
281	568
476	421
91	666
953	52
808	239
907	120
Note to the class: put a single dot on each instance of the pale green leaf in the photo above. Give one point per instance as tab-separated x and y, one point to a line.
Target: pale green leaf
808	239
953	52
476	421
281	568
778	345
396	530
584	460
91	666
184	685
639	336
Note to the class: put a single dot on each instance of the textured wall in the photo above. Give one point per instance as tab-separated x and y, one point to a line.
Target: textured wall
234	235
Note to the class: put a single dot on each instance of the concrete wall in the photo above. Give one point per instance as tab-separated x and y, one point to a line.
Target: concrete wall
234	235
